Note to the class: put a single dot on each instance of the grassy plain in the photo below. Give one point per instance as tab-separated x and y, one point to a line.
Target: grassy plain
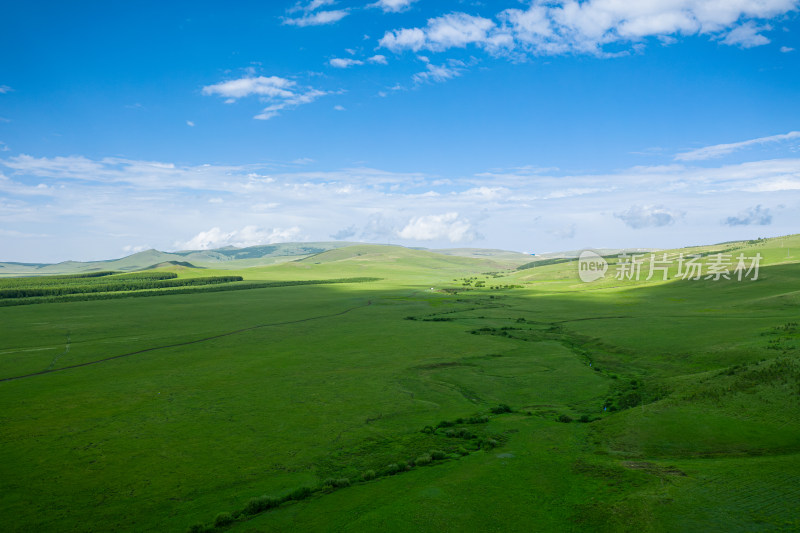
690	391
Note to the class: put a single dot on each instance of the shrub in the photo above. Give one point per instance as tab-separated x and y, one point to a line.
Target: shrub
488	444
403	466
298	494
422	460
223	519
500	409
257	505
438	455
444	424
565	418
342	482
477	420
199	527
428	429
462	451
368	475
393	469
584	419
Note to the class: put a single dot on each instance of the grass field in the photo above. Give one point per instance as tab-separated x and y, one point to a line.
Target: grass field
635	406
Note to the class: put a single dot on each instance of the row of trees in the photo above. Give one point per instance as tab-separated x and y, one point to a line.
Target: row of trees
117	284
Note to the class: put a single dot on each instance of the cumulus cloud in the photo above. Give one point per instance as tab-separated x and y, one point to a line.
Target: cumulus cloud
378	59
786	49
647	216
448	226
571	26
748	35
441	33
393	6
754	216
280	93
719	150
247	236
346	62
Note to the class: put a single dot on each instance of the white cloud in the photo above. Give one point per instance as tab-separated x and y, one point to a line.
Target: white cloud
269	86
754	216
319	18
449	226
4	147
393	6
647	216
5	89
346	62
437	73
515	208
280	92
339	107
133	249
247	236
298	99
571	26
378	59
312	5
786	49
190	123
719	150
748	35
452	30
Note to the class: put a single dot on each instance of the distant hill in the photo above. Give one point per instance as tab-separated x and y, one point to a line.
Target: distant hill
223	258
510	259
399	256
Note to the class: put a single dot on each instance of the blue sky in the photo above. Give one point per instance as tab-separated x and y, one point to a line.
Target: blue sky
531	126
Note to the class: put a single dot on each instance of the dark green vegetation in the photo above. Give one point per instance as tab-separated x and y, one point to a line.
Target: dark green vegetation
555	406
111	285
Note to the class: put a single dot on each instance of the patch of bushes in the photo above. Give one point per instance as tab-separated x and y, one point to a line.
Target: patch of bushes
461	433
423	460
223	519
566	419
299	494
368	475
260	504
500	409
438	455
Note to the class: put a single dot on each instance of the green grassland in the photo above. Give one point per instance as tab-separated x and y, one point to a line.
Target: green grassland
634	405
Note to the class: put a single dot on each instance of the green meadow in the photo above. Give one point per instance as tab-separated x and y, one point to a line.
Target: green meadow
377	388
